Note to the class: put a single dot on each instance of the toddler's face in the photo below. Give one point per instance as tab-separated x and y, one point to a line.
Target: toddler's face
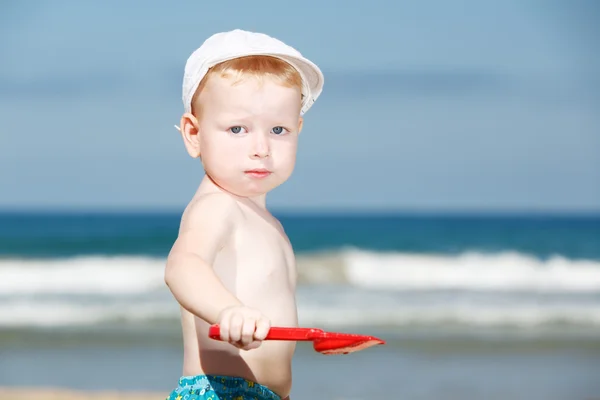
248	133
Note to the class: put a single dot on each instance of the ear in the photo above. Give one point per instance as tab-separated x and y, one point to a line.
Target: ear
300	124
189	132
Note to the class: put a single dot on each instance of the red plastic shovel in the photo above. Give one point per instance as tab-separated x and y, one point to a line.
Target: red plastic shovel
323	342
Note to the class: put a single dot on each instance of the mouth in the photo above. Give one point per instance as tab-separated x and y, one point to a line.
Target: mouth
258	173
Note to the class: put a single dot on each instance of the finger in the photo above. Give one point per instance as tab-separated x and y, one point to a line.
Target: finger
248	331
235	328
263	325
224	329
250	346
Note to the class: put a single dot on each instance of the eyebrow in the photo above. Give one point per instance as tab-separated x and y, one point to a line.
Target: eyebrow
242	116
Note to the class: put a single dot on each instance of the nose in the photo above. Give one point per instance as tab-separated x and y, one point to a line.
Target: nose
260	146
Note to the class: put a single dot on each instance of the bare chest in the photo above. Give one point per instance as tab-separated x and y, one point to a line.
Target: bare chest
259	255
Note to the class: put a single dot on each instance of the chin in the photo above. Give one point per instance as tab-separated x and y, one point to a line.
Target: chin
257	190
249	188
244	189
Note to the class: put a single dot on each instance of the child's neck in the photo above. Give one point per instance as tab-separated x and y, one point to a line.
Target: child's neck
208	185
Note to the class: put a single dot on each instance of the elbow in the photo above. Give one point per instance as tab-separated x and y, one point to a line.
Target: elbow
167	278
169	274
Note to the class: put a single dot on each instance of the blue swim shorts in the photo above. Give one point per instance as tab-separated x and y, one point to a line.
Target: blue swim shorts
216	387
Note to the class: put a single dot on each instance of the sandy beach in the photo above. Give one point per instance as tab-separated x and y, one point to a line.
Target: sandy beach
25	393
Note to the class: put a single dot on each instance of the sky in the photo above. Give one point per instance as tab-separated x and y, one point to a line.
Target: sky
428	105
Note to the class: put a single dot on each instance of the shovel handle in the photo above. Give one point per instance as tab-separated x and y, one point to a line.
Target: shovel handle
277	333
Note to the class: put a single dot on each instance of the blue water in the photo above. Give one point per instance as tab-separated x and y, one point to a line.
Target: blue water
472	306
50	235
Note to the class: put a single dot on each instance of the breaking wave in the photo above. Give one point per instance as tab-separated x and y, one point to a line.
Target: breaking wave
347	288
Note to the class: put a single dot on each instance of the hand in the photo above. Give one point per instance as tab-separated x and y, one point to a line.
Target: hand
243	327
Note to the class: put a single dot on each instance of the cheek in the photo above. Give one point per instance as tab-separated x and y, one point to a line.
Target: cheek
286	156
218	151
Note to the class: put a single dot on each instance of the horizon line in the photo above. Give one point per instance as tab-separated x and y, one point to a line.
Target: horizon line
314	211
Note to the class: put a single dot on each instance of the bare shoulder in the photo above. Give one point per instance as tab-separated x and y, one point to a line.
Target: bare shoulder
206	224
275	222
209	210
281	228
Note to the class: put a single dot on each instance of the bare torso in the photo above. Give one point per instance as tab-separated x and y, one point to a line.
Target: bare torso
257	266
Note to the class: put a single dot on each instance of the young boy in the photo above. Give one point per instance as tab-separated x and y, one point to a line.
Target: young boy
232	264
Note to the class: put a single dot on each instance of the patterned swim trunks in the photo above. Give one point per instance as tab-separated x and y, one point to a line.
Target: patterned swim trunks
216	387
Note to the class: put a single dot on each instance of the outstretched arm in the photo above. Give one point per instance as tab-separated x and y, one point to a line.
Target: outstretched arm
205	228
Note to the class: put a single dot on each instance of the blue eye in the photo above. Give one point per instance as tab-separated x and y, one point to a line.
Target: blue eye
235	129
278	130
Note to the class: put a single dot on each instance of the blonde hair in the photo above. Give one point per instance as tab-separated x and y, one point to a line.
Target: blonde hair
259	67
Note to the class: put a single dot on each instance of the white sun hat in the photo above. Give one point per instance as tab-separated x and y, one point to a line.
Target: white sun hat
239	43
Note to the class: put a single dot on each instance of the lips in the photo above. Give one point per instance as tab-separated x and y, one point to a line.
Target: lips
258	173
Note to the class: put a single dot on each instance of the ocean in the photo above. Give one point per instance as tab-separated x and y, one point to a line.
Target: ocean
471	306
